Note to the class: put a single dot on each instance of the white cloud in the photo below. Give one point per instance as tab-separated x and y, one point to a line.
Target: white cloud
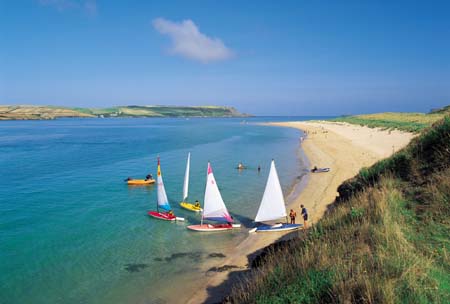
88	6
189	42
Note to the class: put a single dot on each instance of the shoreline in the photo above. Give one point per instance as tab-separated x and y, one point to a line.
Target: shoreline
343	147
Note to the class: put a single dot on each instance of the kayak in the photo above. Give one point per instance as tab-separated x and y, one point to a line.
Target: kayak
213	227
320	170
140	182
190	207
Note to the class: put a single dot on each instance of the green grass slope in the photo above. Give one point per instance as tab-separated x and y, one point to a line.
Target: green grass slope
385	240
411	122
38	112
164	111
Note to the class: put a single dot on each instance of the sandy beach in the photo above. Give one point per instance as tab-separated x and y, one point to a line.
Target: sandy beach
342	147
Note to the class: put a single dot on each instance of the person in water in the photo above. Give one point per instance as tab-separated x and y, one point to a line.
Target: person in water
259	168
197	204
305	216
292	215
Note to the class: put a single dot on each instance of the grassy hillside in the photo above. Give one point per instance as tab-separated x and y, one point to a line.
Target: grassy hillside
170	111
36	112
411	122
50	112
445	110
386	239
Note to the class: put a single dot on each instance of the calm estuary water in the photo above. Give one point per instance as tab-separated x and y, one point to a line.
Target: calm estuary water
71	231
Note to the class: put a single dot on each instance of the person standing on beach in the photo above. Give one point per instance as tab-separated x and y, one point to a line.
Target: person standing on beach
305	216
292	215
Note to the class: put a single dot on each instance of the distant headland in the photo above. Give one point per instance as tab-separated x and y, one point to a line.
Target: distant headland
30	112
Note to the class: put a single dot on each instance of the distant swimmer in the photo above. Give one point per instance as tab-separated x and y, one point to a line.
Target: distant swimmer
259	168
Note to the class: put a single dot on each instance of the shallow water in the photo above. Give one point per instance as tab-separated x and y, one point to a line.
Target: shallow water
70	229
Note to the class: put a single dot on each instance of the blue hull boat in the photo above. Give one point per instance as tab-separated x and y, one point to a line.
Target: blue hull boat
279	227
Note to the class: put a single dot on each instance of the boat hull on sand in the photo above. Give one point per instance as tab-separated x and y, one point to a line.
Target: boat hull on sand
162	215
190	207
213	227
276	228
140	182
320	170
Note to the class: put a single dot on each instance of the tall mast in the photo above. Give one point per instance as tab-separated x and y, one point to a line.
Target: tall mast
186	178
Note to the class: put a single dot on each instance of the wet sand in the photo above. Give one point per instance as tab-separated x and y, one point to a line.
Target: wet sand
344	148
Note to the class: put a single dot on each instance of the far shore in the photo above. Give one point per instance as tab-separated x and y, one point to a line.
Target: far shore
342	147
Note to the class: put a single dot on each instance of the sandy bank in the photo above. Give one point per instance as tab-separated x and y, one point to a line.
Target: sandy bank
345	149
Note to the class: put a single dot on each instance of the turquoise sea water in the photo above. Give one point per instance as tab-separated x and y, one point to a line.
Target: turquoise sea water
71	230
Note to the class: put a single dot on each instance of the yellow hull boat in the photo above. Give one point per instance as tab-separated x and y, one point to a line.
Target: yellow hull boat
190	207
140	182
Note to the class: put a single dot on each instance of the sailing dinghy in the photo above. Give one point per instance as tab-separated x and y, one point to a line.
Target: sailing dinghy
214	208
163	209
184	203
272	206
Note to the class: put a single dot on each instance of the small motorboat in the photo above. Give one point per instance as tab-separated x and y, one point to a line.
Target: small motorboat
320	170
140	182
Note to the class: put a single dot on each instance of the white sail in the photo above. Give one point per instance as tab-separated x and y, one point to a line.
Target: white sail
272	204
214	207
186	178
163	202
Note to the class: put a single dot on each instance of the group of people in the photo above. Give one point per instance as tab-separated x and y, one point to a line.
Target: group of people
293	215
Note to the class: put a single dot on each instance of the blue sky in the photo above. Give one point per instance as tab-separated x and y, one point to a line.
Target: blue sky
266	58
